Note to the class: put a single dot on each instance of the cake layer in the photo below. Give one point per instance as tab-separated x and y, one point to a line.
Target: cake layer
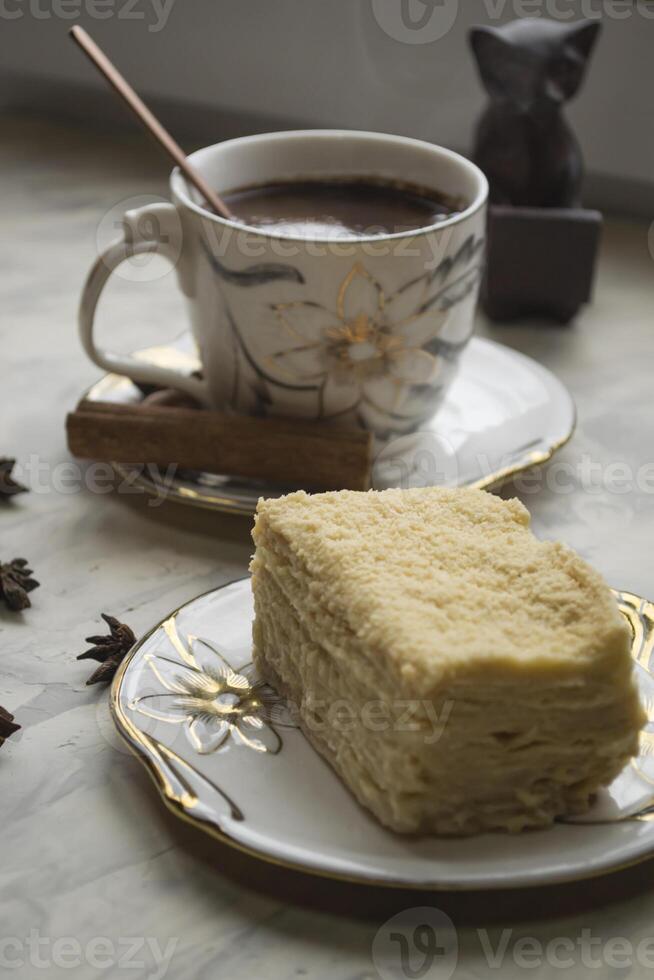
430	582
447	767
466	712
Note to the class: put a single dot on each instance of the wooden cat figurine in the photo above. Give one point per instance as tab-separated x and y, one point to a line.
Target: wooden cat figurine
523	143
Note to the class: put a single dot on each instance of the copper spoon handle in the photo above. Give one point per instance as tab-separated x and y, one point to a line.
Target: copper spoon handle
151	123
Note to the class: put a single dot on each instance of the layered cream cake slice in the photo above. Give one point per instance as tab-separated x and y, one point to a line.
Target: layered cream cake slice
459	674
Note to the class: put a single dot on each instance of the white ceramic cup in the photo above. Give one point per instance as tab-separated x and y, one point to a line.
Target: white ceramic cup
362	330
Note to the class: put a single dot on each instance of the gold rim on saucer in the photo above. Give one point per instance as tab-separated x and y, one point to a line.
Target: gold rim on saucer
522	436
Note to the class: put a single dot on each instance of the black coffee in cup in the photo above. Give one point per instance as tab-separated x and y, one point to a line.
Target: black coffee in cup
341	207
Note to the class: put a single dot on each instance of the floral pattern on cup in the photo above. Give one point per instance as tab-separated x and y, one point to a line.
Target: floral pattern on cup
372	348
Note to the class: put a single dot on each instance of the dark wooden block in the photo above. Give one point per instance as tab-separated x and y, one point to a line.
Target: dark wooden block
539	261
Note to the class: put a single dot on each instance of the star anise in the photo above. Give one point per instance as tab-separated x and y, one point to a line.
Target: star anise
7	725
8	486
15	582
108	650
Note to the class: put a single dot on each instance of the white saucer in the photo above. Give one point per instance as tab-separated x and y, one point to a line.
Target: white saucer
263	789
503	414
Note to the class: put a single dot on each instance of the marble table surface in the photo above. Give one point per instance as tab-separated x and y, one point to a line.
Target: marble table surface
96	877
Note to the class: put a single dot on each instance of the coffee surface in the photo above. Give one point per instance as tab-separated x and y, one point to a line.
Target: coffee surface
338	208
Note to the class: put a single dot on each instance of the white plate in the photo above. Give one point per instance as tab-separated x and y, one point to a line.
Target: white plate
503	414
266	791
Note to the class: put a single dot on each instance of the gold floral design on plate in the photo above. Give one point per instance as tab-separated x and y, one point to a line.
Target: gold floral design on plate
214	704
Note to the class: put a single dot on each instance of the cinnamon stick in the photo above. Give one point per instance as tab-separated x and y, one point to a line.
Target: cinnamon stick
283	451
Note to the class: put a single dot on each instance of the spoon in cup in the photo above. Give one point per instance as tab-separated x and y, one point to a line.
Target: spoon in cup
148	119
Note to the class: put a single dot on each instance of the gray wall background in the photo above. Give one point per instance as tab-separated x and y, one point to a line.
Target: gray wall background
218	67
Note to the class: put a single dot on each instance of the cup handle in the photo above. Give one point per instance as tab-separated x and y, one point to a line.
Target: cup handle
162	235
